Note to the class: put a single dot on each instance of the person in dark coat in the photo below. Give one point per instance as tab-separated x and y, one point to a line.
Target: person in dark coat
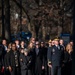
37	59
23	44
26	63
1	60
68	60
55	58
17	44
6	60
61	43
44	58
48	56
13	64
4	43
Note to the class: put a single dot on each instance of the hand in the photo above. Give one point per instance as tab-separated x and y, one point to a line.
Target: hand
43	67
49	65
10	69
21	60
3	67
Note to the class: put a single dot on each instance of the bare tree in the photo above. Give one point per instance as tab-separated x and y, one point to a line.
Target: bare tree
7	20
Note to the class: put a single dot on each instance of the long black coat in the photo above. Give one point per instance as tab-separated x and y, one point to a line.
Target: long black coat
44	60
25	61
37	61
2	54
67	63
44	55
12	58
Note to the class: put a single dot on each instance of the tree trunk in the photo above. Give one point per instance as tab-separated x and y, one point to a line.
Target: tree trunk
7	20
3	30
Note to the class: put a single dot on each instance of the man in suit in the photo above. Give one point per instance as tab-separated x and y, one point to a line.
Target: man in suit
55	58
37	59
13	64
44	58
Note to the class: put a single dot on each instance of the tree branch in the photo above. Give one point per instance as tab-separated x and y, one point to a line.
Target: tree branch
18	4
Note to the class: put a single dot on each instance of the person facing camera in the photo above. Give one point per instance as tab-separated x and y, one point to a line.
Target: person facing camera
13	60
55	58
25	62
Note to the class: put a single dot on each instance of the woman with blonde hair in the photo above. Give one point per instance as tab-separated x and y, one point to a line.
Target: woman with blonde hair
69	48
68	59
30	47
31	53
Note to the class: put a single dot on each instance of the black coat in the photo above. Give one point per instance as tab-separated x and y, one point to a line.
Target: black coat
6	60
2	54
37	61
44	56
12	58
67	63
25	61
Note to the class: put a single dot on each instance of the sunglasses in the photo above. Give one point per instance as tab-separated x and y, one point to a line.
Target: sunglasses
37	44
13	46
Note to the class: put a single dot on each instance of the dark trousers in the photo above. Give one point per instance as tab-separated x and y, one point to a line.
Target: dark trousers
56	70
15	71
49	71
26	72
6	72
45	71
38	71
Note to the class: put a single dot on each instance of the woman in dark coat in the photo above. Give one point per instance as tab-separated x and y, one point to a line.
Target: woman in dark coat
68	60
25	63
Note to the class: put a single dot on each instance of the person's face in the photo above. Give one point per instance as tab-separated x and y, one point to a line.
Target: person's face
9	46
4	42
71	43
37	44
61	42
13	47
22	43
33	40
50	43
53	42
42	44
56	42
17	42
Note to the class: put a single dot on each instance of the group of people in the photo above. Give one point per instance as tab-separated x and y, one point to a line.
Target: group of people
36	58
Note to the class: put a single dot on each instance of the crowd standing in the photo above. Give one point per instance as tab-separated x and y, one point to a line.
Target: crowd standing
36	57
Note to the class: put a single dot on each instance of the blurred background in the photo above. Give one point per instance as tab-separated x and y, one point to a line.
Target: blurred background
44	19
